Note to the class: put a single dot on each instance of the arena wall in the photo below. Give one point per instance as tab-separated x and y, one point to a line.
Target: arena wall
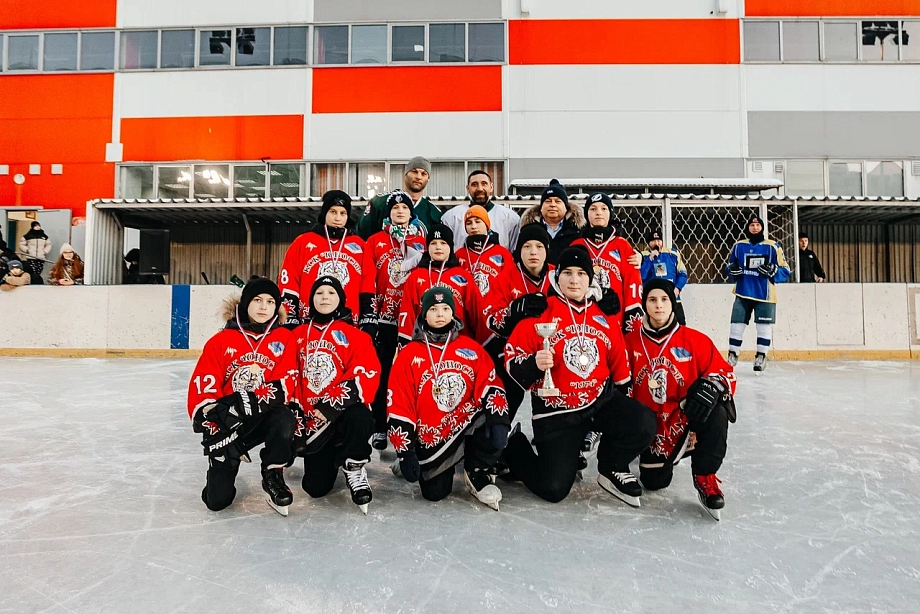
814	321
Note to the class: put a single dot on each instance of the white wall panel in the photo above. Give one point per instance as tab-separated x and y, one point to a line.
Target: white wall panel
627	134
815	87
204	93
205	309
139	317
623	88
883	303
144	13
840	314
610	9
372	136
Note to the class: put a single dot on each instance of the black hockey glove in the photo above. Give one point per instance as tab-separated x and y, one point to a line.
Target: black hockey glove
527	306
231	411
735	270
767	270
367	321
409	467
497	434
609	303
703	395
228	445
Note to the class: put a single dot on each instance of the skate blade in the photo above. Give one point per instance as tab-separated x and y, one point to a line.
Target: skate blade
716	514
613	490
580	474
363	508
281	509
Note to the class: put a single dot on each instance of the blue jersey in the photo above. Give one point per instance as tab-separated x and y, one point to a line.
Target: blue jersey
668	265
752	284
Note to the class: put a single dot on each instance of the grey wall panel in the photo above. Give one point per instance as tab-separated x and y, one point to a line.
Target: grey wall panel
356	11
615	168
838	134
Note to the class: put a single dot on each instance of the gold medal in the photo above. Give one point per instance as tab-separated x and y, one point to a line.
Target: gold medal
597	269
653	383
255	369
583	360
435	390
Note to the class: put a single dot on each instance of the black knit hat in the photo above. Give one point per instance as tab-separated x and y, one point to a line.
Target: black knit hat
575	256
747	233
654	235
531	232
599	197
399	196
554	189
334	198
332	282
436	296
255	287
440	231
658	284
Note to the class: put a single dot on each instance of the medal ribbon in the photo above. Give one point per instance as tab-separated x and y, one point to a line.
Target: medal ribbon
664	346
336	254
541	287
435	366
582	344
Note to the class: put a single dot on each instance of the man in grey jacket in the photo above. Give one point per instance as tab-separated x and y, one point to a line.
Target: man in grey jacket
34	246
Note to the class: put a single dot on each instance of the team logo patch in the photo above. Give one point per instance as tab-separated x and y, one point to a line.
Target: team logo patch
602	276
482	282
354	248
681	354
497	260
660	392
395	272
246	378
439	296
319	371
602	321
596	198
340	338
448	390
339	270
465	353
276	347
581	359
616	255
460	280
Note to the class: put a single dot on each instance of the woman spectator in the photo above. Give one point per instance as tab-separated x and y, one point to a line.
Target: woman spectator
68	270
34	246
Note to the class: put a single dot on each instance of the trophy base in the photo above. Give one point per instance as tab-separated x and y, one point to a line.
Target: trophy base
548	392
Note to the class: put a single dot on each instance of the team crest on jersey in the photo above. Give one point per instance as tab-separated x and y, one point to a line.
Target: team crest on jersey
448	389
460	280
660	392
319	371
602	276
482	282
616	255
246	378
276	348
465	353
681	354
602	321
339	270
354	248
395	272
581	359
340	338
497	260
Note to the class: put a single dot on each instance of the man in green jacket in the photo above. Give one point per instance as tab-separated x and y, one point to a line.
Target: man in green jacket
418	171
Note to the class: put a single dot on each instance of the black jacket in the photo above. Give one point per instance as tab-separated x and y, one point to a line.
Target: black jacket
809	267
572	224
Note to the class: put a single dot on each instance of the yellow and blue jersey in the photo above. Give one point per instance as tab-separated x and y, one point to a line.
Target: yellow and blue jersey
753	285
668	265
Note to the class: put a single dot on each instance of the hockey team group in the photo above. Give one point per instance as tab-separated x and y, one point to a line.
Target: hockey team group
424	331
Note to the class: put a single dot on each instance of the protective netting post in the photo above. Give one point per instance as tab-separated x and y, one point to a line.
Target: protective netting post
782	226
704	236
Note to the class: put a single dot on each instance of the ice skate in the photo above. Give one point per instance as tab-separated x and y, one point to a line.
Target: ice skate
480	486
711	498
280	496
582	465
379	441
760	362
395	468
622	485
732	358
356	478
589	447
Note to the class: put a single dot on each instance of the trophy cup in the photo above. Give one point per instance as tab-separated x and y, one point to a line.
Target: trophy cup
547	330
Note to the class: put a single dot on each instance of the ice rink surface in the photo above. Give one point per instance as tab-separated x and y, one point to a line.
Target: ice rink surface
100	511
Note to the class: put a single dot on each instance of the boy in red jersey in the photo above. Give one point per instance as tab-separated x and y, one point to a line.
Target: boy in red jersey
679	373
482	256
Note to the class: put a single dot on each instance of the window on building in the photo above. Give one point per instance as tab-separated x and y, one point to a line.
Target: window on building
325	177
840	42
22	52
884	179
804	178
845	178
800	41
249	181
215	47
910	31
880	41
177	49
290	46
761	41
60	51
408	44
136	182
97	51
330	45
397	176
447	42
285	180
139	50
487	42
174	181
367	179
253	46
447	179
496	170
212	181
369	45
1	53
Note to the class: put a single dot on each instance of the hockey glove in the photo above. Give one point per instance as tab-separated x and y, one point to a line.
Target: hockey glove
735	270
704	394
609	303
767	270
527	306
226	444
497	434
408	465
367	321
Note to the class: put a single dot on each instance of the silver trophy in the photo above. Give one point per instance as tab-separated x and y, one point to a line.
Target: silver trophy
547	330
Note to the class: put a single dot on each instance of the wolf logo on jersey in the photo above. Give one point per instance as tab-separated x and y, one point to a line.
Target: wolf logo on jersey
247	377
448	389
482	282
319	371
339	270
660	392
581	356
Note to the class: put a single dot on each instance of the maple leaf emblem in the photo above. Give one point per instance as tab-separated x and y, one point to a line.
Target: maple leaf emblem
265	393
399	438
212	427
337	395
497	403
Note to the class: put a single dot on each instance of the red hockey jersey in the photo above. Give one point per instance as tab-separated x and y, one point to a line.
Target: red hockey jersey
238	361
462	288
589	356
486	266
511	284
335	367
387	255
673	363
438	395
611	270
312	255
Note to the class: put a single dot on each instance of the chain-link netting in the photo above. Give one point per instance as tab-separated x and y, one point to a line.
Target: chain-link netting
637	221
781	228
704	236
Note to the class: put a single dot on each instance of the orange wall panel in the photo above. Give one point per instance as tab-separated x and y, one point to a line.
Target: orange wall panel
407	89
624	41
80	183
212	138
831	8
28	14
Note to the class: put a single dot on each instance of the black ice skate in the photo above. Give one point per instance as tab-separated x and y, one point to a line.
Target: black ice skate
379	441
732	358
588	449
280	496
707	487
480	485
760	362
356	478
622	485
